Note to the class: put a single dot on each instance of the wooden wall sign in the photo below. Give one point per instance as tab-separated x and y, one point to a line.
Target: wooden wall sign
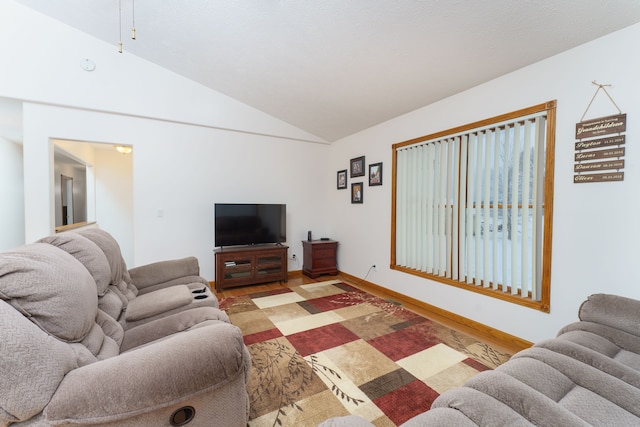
601	126
591	149
599	154
596	166
598	177
599	143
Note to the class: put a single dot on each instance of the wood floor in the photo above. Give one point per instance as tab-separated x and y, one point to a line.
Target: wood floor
297	278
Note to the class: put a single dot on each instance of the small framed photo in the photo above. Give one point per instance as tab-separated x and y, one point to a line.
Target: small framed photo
356	192
375	174
357	166
342	179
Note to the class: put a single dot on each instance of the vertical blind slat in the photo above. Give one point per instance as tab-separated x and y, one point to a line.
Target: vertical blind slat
477	211
411	166
418	247
462	201
495	200
473	140
515	192
436	207
506	222
455	211
449	207
538	207
442	209
487	202
526	236
401	187
411	225
431	215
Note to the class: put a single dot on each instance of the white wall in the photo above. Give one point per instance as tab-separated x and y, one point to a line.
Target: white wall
11	195
183	170
192	146
595	228
114	198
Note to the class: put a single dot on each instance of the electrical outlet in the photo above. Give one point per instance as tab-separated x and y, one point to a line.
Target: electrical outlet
293	257
373	267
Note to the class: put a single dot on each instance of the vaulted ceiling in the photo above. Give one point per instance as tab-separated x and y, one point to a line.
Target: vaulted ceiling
335	67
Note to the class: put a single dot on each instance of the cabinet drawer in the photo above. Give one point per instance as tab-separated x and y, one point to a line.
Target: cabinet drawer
329	253
324	262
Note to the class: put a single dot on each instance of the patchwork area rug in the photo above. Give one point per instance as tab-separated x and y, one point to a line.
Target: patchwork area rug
328	349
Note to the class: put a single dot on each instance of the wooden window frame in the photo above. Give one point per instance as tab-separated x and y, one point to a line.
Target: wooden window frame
543	303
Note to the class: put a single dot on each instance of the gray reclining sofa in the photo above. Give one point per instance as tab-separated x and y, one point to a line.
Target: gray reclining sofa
84	341
588	375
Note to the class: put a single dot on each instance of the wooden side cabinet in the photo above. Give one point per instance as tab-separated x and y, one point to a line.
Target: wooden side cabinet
249	265
319	257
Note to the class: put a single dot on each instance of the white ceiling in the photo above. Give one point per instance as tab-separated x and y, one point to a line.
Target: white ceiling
335	67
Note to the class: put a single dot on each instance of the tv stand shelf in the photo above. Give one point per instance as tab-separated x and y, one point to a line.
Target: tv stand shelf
250	265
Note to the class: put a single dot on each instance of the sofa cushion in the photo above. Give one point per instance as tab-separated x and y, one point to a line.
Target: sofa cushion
112	303
164	271
119	273
157	302
588	392
480	408
50	287
596	351
102	340
620	340
88	253
110	327
33	365
537	407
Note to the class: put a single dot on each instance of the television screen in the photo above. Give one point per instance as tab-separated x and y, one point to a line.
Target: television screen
249	224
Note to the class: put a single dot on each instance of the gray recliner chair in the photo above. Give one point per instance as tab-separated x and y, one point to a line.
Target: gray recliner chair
65	361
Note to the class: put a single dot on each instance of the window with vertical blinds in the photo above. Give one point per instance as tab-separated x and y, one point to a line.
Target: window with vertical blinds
472	206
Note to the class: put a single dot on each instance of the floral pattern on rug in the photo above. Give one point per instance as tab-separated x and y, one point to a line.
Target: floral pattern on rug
328	349
280	374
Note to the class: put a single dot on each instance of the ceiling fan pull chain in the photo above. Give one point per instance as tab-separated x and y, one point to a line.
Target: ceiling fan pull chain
133	19
120	26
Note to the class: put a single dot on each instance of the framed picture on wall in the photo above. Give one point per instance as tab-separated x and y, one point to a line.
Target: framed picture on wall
356	192
375	174
342	179
357	166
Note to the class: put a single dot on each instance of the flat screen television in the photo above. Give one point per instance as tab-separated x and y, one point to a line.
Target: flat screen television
239	224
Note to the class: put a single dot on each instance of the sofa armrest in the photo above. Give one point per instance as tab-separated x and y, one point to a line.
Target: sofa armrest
164	271
152	377
612	310
193	282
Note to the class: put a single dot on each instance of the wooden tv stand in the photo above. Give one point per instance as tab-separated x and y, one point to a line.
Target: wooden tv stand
249	265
